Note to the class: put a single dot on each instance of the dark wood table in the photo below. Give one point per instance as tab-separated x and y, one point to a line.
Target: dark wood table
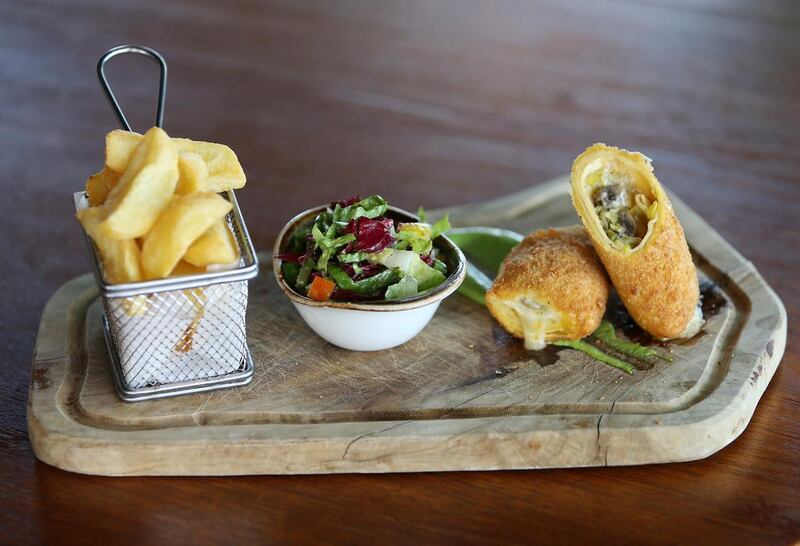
435	102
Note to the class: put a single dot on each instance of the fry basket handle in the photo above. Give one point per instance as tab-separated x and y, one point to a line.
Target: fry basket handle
112	100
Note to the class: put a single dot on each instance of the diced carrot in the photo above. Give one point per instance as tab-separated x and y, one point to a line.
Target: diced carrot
321	289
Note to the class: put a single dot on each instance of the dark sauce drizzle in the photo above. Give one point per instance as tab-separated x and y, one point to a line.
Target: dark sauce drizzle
712	301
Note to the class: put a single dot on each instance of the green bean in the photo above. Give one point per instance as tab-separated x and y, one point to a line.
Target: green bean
305	272
606	334
290	271
368	286
597	354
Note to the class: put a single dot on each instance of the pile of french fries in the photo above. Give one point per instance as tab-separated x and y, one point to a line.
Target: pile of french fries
155	209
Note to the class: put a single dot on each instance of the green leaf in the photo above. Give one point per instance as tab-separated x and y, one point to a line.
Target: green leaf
322	262
304	274
317	234
440	226
351	258
341	241
370	207
475	285
290	272
409	263
407	238
485	246
405	288
421	214
297	241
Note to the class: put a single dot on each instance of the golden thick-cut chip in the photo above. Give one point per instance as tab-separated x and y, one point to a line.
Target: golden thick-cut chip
224	170
99	185
215	246
198	298
184	268
96	189
119	149
192	173
144	189
185	219
120	258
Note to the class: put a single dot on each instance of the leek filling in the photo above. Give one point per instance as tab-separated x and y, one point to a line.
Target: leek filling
537	322
623	211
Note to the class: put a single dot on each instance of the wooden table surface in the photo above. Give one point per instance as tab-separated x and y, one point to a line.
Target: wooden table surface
436	103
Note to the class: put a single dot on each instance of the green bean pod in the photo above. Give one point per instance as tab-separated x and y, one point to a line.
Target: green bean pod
364	287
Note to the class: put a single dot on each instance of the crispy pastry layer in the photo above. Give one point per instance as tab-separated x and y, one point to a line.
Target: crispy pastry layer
558	269
656	280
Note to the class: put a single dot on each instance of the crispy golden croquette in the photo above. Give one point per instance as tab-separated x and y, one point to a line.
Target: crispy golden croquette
630	221
550	287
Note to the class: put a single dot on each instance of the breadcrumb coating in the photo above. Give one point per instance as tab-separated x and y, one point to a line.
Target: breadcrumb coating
557	268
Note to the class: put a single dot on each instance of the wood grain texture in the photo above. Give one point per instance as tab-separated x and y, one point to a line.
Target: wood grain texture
462	395
432	103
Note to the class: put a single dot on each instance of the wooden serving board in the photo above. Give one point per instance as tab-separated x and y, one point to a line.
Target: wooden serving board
463	395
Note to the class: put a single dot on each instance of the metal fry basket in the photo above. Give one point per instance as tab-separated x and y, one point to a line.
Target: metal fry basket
181	334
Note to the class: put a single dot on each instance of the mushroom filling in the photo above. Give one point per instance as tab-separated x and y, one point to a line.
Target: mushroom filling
623	211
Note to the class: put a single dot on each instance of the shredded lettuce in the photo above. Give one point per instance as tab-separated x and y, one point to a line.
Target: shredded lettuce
305	272
440	226
352	258
370	207
329	244
354	239
408	286
416	236
409	263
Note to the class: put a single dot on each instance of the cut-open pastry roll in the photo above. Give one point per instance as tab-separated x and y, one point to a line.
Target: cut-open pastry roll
637	236
551	287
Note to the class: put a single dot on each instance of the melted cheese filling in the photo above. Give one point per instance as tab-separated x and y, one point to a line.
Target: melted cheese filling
537	321
694	325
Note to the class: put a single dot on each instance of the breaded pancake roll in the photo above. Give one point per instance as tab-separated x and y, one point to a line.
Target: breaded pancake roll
550	287
637	236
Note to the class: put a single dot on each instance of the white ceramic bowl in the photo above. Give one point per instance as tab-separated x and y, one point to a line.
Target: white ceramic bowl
371	326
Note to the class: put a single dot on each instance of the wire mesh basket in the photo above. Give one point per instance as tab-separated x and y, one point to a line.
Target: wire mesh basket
180	334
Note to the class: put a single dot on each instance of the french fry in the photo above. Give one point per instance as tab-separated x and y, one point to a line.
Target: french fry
224	170
144	189
215	246
119	149
192	173
198	298
184	268
99	185
185	219
120	258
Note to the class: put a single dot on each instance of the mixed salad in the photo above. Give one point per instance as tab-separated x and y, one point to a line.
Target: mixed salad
354	252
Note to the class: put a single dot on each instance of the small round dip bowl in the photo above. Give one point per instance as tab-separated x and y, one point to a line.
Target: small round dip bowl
371	325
